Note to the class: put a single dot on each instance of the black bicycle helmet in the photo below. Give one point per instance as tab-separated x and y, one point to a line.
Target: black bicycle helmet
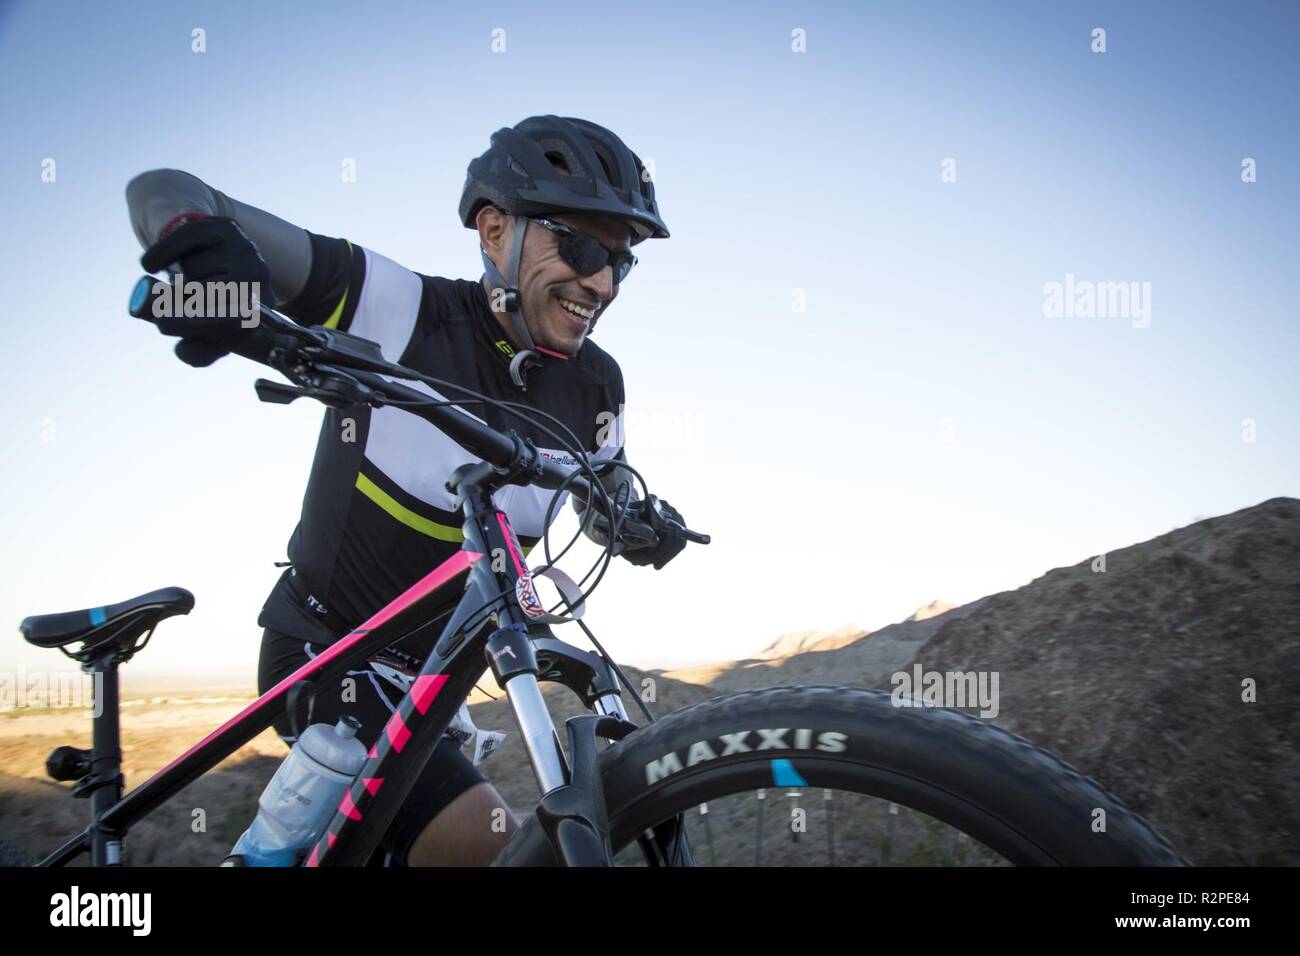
551	164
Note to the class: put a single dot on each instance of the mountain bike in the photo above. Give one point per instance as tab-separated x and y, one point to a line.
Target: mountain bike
647	794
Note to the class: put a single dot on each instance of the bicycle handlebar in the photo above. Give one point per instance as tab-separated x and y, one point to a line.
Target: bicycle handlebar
300	352
280	343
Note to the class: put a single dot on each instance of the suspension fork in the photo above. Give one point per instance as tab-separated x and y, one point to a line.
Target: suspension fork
572	809
572	814
513	661
573	821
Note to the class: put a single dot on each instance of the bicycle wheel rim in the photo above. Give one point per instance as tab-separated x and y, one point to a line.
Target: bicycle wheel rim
688	792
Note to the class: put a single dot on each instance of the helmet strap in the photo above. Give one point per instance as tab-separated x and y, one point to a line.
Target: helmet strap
509	285
514	306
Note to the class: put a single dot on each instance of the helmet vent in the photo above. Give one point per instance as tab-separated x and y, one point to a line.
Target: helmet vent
606	166
557	160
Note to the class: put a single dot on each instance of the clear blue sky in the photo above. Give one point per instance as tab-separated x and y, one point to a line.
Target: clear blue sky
921	430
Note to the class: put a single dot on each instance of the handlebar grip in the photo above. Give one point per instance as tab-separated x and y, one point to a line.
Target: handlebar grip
256	343
142	296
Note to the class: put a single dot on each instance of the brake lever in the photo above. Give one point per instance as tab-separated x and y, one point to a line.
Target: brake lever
660	521
336	390
698	537
277	393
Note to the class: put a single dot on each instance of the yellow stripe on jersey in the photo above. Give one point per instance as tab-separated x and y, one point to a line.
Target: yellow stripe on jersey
333	321
405	515
409	518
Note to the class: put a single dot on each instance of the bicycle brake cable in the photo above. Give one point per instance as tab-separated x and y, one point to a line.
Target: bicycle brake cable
616	515
528	414
574	447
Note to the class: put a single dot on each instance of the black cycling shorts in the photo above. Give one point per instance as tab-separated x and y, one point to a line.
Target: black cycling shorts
447	775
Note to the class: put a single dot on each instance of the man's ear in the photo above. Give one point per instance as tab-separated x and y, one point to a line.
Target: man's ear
495	230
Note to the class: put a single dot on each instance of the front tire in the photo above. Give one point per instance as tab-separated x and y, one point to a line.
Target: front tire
1024	804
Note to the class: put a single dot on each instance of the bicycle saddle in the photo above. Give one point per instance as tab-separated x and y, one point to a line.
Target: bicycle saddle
122	622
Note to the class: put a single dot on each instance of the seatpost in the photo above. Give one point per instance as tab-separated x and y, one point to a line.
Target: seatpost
105	778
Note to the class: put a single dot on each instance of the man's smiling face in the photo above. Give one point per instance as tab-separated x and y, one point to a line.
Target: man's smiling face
559	305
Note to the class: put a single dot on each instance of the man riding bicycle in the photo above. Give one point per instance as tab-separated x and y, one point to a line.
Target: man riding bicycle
557	204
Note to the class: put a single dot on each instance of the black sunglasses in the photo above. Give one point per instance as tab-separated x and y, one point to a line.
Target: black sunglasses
584	254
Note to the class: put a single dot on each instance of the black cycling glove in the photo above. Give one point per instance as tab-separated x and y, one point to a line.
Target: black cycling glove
208	249
650	538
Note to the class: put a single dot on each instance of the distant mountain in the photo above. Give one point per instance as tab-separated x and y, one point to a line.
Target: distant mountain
933	609
802	642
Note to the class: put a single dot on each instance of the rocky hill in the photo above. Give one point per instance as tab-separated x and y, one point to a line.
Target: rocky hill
1141	676
1133	673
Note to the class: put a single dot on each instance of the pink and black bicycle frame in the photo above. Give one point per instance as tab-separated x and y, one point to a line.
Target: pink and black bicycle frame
399	754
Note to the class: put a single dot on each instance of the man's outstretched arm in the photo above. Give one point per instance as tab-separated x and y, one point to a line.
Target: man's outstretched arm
187	226
158	199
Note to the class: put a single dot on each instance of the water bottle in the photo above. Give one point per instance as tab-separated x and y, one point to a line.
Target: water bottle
301	798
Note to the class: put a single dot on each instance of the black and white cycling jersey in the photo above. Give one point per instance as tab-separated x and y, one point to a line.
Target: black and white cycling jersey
377	515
